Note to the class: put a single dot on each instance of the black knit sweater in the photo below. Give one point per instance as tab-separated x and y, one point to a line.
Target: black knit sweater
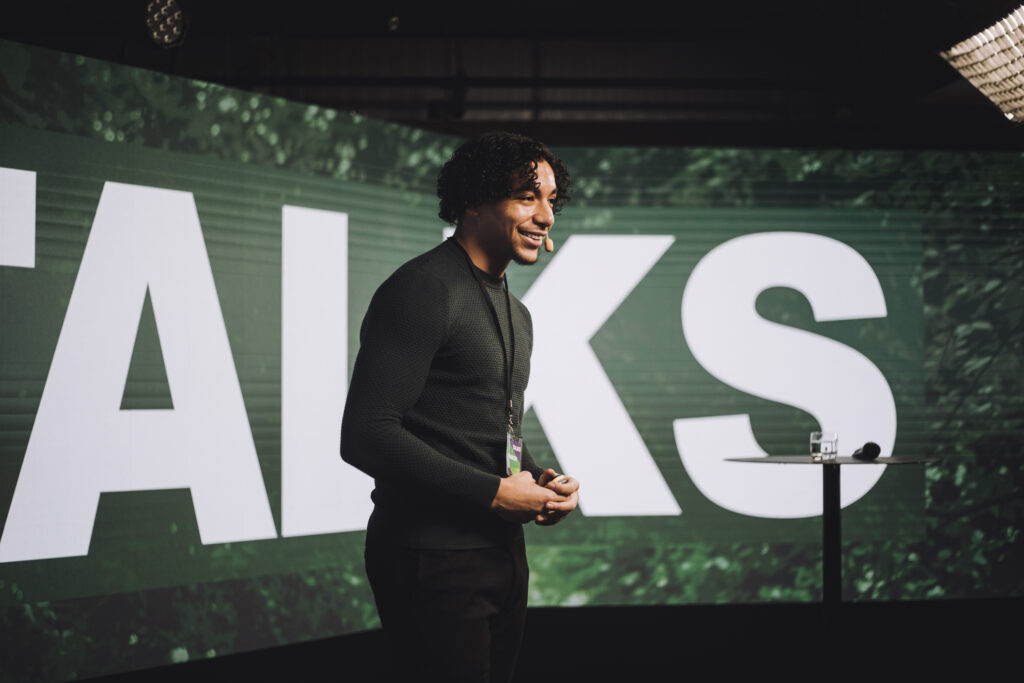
425	414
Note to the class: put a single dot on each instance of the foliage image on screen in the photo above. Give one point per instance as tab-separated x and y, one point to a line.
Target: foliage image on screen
184	269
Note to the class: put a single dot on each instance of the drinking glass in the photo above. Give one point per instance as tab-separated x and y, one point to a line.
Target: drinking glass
824	446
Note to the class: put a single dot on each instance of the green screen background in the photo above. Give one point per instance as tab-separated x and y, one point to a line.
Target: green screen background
940	229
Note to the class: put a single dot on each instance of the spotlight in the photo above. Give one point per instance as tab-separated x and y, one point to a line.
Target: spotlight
166	23
993	61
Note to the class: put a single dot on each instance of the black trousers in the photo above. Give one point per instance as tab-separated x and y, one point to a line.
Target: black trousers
452	615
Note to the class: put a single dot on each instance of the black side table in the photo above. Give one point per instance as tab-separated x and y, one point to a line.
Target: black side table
831	524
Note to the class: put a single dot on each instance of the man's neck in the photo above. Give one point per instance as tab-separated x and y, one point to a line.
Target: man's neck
479	256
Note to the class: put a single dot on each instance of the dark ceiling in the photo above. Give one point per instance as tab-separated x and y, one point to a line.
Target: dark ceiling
823	73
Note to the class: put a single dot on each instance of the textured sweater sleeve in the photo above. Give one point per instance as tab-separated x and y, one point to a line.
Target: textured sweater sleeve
405	325
530	465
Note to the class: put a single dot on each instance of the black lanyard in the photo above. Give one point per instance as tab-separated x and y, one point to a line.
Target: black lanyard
507	364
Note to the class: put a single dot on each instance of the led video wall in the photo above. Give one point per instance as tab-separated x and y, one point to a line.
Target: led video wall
184	268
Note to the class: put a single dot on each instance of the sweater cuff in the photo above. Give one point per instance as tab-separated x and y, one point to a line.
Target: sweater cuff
483	488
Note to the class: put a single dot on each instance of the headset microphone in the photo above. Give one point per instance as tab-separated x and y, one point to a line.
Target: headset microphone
548	244
868	451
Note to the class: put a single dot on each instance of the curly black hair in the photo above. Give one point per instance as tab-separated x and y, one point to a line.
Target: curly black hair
494	166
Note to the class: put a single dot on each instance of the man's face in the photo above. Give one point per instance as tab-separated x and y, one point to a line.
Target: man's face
514	228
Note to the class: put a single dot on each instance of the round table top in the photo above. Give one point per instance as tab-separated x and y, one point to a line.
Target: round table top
841	460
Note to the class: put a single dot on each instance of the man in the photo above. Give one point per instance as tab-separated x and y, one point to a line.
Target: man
434	414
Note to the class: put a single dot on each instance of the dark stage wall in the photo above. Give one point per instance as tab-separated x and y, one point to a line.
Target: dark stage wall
974	639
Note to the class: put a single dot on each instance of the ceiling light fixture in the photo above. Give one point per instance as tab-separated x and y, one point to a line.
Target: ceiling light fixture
166	22
993	61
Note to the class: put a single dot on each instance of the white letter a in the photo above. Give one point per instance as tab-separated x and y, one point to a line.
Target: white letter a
82	444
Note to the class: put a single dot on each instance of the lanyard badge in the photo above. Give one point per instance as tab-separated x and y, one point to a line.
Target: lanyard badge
513	454
513	447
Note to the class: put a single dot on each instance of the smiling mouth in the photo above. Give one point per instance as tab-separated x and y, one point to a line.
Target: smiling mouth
534	238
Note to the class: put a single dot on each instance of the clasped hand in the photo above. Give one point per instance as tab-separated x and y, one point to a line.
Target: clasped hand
546	501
